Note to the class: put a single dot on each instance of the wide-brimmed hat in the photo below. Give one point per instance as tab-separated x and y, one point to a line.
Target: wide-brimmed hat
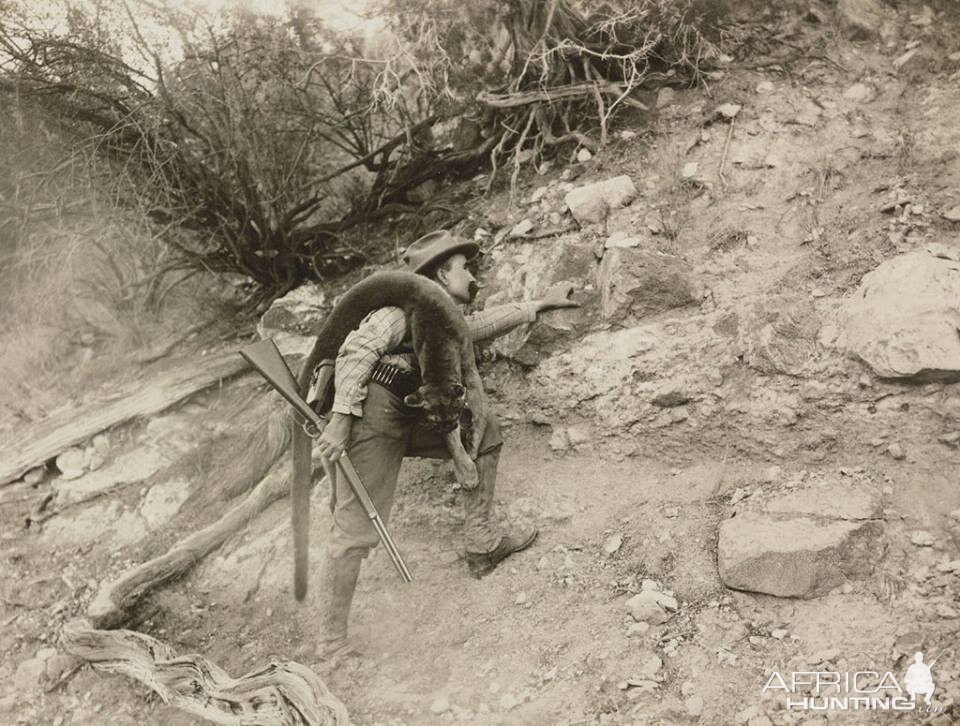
435	247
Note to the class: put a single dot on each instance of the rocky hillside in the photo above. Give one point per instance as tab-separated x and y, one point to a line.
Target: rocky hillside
741	450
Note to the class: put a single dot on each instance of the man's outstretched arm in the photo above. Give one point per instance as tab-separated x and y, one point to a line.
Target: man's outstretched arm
501	319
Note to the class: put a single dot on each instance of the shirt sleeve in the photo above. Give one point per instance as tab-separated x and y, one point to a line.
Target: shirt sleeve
380	332
500	319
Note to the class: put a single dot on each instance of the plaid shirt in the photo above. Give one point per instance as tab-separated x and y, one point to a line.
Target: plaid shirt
383	331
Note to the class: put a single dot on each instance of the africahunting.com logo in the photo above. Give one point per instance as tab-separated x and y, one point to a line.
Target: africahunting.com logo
859	690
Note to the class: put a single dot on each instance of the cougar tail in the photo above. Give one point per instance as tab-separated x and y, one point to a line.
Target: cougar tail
300	498
300	483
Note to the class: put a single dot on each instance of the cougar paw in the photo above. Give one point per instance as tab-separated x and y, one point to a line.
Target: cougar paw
467	474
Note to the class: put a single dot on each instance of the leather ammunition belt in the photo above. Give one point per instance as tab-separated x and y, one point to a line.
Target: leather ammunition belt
396	380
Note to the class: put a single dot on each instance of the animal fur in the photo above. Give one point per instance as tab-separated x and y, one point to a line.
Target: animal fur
444	350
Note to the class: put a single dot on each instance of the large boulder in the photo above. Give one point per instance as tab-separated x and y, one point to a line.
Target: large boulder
651	372
525	272
293	319
903	320
635	283
863	19
794	557
592	203
802	543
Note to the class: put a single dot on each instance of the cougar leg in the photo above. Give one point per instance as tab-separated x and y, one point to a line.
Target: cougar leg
462	463
476	401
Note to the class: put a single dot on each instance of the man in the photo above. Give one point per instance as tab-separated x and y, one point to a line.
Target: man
375	369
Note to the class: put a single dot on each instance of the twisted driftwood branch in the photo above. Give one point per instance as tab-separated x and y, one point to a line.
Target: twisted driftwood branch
279	694
557	93
115	599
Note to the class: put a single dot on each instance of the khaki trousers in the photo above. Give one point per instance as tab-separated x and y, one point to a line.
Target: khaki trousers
387	432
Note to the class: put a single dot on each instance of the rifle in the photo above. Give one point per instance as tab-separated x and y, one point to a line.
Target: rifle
269	363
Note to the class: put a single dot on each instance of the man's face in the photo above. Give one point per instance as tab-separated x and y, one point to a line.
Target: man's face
458	279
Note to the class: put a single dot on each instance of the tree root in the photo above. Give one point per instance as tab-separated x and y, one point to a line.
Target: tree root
278	694
113	602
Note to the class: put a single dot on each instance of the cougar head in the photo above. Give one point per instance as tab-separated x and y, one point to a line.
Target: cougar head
442	405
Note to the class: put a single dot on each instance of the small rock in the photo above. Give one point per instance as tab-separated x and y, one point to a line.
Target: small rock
622	240
645	606
765	87
508	701
728	110
651	665
772	474
671	512
578	436
626	135
726	657
637	629
521	228
29	672
689	170
613	543
694	705
945	611
640	686
521	599
951	439
738	494
59	665
584	155
665	97
538	194
559	440
901	61
922	538
953	214
592	203
648	584
70	463
951	566
779	633
440	704
34	476
896	451
859	93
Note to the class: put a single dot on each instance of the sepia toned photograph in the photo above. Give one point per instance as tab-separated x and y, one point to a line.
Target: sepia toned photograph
508	363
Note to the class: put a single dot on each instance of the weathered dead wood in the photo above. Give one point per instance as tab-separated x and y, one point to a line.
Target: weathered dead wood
557	93
278	694
115	599
35	444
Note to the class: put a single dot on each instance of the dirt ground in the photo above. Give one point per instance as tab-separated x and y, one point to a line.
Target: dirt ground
547	638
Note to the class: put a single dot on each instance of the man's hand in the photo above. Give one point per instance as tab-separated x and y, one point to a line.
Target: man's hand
335	437
558	296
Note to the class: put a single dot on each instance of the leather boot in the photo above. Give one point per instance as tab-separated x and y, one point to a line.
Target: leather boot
487	545
338	581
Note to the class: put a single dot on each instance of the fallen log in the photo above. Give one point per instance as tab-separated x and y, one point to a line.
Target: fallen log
34	445
115	599
279	694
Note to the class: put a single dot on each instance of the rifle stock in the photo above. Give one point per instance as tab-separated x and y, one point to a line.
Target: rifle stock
269	363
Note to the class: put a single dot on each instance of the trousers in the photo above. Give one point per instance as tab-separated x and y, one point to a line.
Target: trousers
387	432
